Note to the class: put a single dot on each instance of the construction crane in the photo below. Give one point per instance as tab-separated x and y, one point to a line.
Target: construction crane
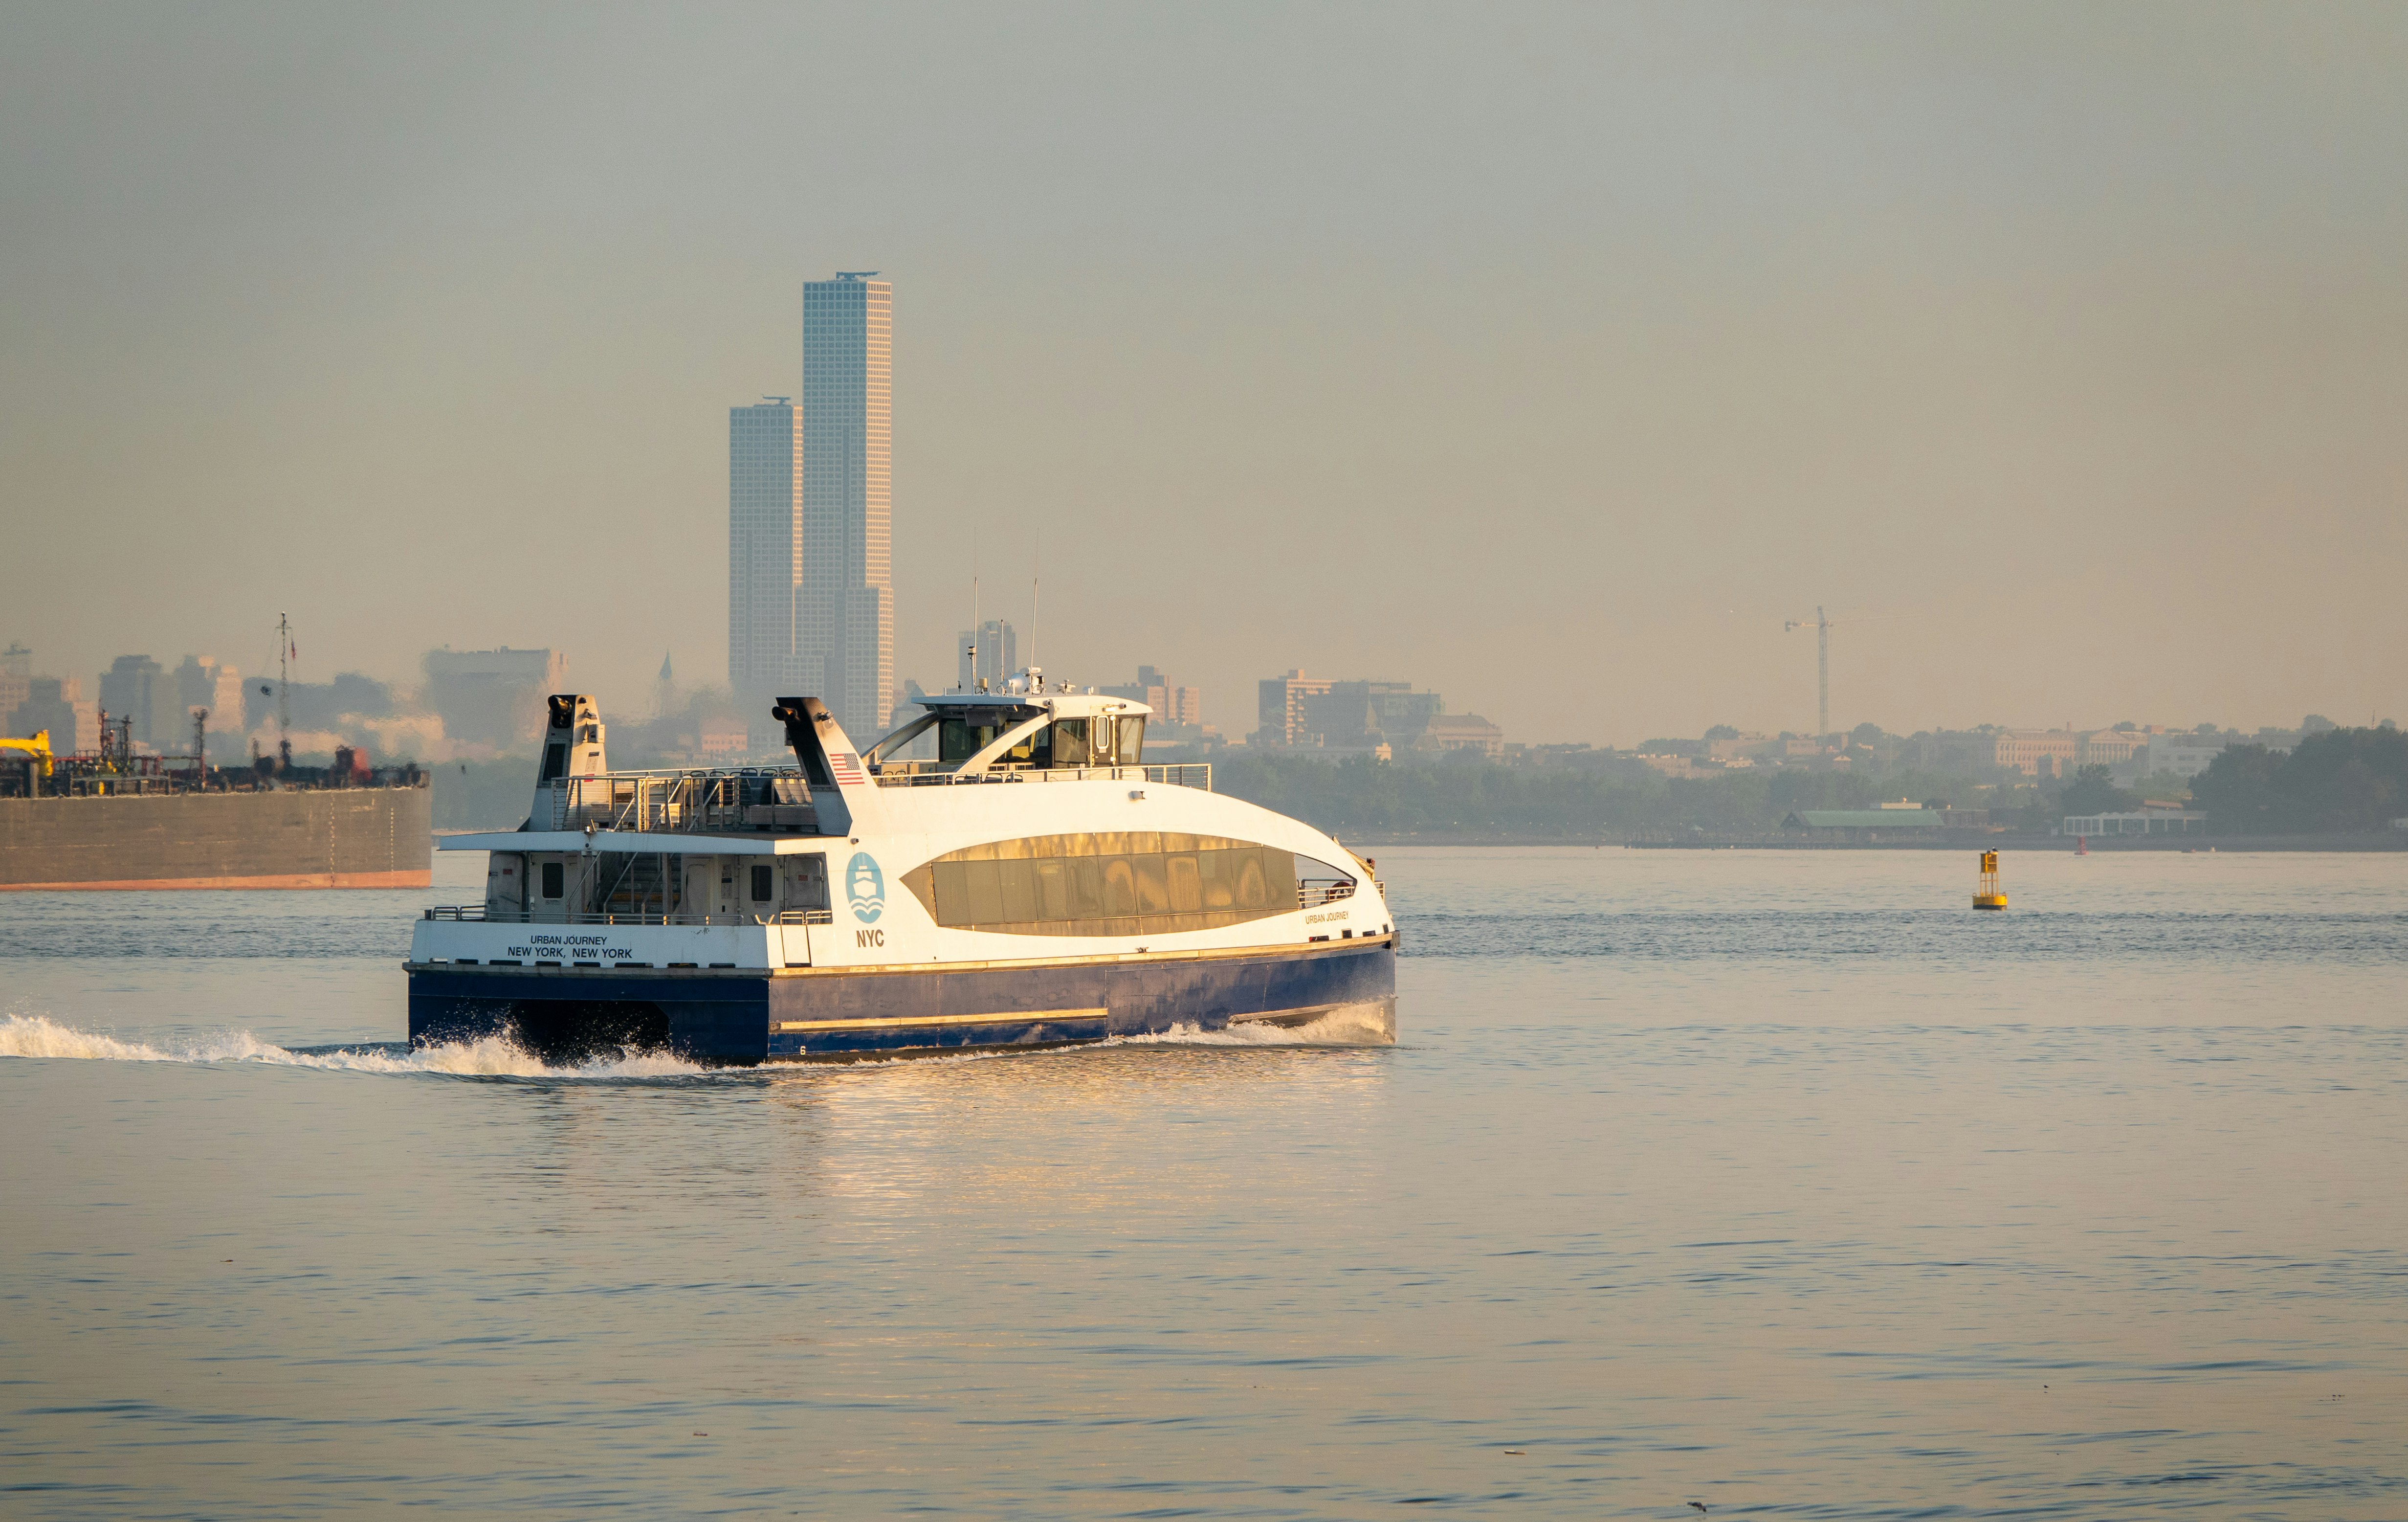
34	752
1822	627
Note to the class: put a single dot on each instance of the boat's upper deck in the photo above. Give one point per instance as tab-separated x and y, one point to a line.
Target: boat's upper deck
749	800
1020	734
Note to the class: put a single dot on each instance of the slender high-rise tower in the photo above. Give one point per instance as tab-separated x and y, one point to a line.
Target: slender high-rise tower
845	615
765	561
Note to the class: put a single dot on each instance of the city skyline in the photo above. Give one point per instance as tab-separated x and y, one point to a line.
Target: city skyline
810	594
2068	334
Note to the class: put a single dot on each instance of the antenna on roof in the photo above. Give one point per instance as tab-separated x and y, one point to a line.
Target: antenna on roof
285	653
1035	571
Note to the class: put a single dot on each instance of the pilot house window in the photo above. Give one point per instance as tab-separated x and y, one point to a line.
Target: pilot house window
1066	743
957	740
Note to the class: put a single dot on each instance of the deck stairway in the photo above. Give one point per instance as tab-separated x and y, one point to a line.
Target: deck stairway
636	884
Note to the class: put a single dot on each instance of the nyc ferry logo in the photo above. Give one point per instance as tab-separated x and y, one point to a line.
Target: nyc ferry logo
864	887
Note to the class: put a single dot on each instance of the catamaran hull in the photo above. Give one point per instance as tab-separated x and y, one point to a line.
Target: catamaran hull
743	1016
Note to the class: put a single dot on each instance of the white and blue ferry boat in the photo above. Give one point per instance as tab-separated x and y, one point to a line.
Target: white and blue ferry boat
1035	884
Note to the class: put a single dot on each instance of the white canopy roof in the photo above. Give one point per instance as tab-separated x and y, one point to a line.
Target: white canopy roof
1061	702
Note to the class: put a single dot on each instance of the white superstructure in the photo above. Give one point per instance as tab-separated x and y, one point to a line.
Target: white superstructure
1038	841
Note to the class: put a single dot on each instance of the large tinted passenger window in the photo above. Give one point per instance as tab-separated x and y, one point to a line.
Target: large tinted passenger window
1106	883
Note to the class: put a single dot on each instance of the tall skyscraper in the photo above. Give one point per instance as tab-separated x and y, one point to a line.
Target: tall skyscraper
135	687
769	654
845	615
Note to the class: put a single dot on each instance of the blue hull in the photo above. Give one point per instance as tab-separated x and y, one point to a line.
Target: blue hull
729	1016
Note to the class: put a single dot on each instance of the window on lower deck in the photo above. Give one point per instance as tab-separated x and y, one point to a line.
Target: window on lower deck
555	879
806	883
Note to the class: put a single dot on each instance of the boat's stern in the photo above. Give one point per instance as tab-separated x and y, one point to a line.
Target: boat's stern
570	993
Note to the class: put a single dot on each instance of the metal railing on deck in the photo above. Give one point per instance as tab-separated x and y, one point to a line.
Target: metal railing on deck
688	801
1313	892
477	913
1196	774
718	803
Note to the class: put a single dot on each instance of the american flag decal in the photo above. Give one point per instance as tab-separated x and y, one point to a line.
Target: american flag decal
847	769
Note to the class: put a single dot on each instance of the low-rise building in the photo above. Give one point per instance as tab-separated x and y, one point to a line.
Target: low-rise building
1735	747
2036	753
1964	751
2188	755
1462	732
1298	711
2109	747
2140	821
2185	755
1866	824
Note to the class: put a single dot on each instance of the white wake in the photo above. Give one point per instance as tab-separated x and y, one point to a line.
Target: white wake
1352	1024
494	1056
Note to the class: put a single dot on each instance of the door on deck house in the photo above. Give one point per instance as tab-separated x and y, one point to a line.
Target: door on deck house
805	904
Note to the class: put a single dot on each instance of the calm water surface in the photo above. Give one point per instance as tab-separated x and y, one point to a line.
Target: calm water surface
1780	1182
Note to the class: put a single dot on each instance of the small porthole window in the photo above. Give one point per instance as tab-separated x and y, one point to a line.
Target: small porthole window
764	883
555	879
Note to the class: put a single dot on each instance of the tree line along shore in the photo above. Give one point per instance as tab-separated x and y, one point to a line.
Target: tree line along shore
2340	782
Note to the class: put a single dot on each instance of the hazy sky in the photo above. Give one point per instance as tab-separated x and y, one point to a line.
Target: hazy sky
1551	357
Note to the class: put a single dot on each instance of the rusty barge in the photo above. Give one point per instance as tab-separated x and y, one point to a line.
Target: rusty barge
141	825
